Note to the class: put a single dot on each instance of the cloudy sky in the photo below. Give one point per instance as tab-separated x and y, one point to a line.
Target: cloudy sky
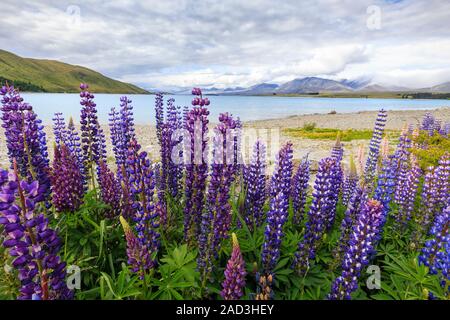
166	44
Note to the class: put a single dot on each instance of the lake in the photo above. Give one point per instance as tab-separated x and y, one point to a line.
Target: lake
245	107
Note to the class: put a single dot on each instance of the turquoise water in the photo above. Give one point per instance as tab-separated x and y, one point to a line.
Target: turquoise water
246	107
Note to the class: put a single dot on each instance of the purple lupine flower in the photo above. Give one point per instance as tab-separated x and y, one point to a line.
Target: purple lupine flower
374	148
443	180
435	253
429	201
318	215
66	179
121	124
185	115
427	122
407	193
299	190
360	249
92	138
350	183
385	188
337	151
110	191
141	183
74	145
278	212
33	245
138	255
196	171
174	168
127	118
337	177
59	128
119	144
401	163
216	220
235	273
255	184
358	198
13	109
25	139
159	113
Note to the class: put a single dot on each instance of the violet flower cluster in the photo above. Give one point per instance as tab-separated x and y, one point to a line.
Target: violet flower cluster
374	148
429	201
443	180
234	282
406	193
196	169
350	183
25	139
92	139
358	198
138	255
385	188
159	114
299	190
110	191
360	249
216	220
435	254
255	186
318	216
73	142
59	129
33	245
66	180
141	183
277	215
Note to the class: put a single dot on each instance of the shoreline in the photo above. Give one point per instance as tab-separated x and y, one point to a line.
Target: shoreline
315	149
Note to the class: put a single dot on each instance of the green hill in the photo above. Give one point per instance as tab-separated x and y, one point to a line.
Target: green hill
54	76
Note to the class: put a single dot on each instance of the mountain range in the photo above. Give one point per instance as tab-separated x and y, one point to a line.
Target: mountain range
54	76
316	85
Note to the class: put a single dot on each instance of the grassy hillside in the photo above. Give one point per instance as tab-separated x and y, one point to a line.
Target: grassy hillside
54	76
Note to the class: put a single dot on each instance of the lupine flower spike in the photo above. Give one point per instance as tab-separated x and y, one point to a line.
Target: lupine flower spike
235	273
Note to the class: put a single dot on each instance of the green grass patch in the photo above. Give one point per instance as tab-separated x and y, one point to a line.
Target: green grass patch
436	146
309	131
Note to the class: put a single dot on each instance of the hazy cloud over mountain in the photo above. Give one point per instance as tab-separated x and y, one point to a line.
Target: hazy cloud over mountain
237	43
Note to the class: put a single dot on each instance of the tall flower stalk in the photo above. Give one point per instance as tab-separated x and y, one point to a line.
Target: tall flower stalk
92	140
318	215
255	185
435	253
216	220
25	139
110	191
235	273
374	148
299	190
138	254
141	183
278	212
360	248
66	180
30	240
350	183
196	167
406	193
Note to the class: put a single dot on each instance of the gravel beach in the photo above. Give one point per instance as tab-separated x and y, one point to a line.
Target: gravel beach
316	149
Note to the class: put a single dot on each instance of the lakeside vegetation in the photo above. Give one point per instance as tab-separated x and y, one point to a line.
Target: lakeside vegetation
309	131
